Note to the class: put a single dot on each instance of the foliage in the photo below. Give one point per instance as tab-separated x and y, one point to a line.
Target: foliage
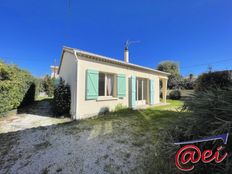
39	86
172	68
62	99
17	87
213	108
48	85
211	115
120	108
222	79
175	95
188	84
175	80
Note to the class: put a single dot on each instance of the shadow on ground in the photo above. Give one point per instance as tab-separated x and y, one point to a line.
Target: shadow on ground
41	108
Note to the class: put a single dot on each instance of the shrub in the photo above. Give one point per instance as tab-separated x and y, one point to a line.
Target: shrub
188	84
175	95
210	115
48	85
16	87
62	99
119	107
222	79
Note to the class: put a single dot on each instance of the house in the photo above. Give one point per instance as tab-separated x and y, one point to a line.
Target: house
54	71
100	83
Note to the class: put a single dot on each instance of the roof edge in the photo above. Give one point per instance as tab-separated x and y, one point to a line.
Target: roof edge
112	60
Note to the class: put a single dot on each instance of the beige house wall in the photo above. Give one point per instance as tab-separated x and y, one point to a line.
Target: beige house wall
68	72
73	70
87	108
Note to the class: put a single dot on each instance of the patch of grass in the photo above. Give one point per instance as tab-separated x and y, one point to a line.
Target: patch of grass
40	98
174	104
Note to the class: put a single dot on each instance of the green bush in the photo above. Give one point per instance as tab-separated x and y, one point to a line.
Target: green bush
62	99
175	95
221	79
210	115
119	107
17	87
48	85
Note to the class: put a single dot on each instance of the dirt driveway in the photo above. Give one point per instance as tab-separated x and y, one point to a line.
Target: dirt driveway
38	114
121	143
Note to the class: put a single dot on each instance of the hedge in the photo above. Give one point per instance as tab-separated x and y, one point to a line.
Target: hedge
175	95
210	80
17	87
62	99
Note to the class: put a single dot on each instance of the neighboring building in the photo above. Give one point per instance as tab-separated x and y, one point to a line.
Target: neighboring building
54	71
100	83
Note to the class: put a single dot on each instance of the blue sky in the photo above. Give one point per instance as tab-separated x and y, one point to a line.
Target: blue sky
195	33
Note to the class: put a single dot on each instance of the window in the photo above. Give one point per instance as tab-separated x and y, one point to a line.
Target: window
106	84
141	89
101	84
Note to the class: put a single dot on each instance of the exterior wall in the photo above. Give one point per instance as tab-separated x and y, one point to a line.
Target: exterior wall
87	108
157	90
68	72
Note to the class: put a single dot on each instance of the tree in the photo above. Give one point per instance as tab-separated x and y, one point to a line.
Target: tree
48	85
62	99
191	77
171	67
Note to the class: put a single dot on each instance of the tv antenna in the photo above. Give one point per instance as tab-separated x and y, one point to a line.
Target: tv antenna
128	43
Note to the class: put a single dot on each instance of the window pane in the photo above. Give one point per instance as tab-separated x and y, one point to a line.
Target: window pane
140	89
109	85
144	89
101	86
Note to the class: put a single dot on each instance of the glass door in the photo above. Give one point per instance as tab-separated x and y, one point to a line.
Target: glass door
141	91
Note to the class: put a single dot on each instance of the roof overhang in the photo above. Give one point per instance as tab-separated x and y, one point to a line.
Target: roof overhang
89	55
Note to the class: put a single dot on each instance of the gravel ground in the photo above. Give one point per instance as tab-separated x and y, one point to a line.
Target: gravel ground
41	144
72	148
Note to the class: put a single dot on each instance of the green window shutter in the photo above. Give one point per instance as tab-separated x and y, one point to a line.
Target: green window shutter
121	85
152	93
133	92
92	78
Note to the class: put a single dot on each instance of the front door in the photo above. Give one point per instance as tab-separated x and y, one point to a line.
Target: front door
140	91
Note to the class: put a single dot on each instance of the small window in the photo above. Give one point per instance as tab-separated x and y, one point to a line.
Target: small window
101	84
106	84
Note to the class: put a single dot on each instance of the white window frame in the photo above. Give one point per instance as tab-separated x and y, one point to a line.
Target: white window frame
105	87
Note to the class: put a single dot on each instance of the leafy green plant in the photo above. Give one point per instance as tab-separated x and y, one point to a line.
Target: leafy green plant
16	87
119	107
62	99
174	80
48	85
207	81
175	95
210	115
